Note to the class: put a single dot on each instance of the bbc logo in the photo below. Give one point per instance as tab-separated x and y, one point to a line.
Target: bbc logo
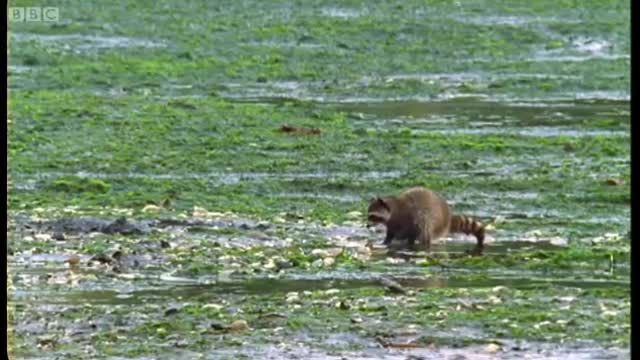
33	14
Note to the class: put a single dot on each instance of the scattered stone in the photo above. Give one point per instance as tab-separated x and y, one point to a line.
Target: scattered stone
58	236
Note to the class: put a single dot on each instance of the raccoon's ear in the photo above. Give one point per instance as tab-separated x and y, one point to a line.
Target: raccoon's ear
382	202
375	200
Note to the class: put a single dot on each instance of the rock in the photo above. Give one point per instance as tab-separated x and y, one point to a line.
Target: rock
42	237
238	325
262	225
498	289
151	208
102	258
614	182
171	311
271	320
328	261
333	252
499	220
492	348
269	265
319	253
180	343
199	212
283	264
47	343
212	306
391	285
58	236
215	325
332	291
73	260
393	260
292	297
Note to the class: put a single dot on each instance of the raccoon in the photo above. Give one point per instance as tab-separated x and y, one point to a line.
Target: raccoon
423	215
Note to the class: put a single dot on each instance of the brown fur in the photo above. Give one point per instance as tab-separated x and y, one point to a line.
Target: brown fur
423	215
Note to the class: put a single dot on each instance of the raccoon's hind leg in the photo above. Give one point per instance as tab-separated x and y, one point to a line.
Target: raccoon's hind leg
477	250
424	241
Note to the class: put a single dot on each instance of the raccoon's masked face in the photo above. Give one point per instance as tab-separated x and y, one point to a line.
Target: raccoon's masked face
378	212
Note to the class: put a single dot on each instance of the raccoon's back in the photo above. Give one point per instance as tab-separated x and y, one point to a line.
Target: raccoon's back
430	207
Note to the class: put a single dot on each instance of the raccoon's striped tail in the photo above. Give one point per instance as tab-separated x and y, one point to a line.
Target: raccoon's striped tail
468	225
